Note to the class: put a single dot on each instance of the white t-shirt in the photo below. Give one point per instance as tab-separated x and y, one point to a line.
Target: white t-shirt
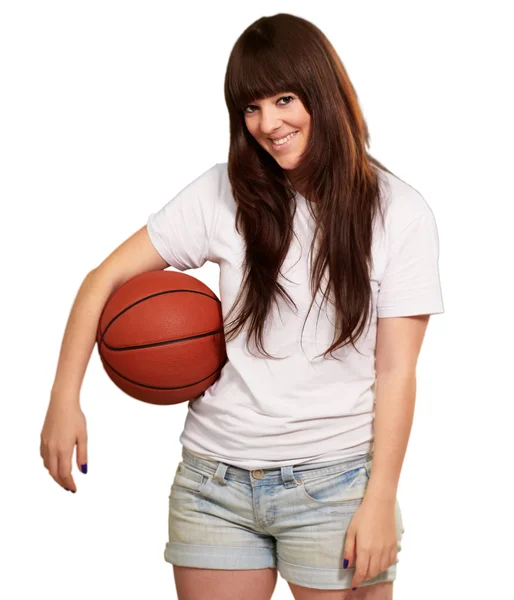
267	413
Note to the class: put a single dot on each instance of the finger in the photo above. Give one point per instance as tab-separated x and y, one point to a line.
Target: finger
65	477
349	550
392	557
81	451
43	452
52	464
375	562
361	568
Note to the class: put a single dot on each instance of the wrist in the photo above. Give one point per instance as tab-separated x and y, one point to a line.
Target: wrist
380	492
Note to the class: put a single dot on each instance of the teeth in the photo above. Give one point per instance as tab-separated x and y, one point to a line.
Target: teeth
284	140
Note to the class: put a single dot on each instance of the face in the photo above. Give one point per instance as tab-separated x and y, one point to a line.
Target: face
276	118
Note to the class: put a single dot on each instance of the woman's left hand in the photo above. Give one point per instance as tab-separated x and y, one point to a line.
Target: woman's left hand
372	536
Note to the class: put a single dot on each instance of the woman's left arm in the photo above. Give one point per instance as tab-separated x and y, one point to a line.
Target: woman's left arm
371	536
398	346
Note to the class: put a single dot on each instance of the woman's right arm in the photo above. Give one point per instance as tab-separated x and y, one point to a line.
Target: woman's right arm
65	424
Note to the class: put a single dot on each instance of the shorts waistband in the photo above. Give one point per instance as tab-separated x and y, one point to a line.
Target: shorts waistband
275	474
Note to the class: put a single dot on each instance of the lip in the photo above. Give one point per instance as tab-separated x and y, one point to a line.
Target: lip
279	148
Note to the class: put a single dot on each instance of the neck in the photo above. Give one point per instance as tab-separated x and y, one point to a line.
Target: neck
300	189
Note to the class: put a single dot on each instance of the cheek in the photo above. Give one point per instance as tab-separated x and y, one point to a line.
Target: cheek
252	131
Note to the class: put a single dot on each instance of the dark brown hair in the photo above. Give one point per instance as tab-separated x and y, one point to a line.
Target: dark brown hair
287	53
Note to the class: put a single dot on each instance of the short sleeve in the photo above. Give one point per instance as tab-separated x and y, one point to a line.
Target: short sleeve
181	230
410	284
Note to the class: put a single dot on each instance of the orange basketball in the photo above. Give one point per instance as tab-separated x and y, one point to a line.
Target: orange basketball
160	337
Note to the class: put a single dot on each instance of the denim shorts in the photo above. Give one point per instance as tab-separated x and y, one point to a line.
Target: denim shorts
291	518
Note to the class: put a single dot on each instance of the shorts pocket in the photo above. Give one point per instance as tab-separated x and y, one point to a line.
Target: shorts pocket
189	478
340	487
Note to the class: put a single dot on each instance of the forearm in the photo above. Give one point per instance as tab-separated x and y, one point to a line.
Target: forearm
80	333
394	412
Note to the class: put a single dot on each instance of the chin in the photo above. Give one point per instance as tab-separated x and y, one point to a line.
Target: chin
288	165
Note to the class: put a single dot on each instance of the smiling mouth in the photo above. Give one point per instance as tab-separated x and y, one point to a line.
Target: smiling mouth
286	143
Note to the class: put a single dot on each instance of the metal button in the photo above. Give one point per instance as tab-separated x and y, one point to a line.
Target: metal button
258	473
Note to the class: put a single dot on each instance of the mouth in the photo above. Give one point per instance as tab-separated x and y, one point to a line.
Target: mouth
289	139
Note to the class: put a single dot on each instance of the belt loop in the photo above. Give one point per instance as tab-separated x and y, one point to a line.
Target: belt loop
288	477
219	476
367	465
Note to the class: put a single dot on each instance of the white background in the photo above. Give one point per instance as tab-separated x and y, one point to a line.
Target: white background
108	109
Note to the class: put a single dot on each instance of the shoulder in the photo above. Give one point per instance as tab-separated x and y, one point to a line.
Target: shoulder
403	204
209	179
215	181
222	174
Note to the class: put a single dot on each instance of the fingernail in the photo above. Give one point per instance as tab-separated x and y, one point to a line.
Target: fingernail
67	490
345	563
84	469
353	589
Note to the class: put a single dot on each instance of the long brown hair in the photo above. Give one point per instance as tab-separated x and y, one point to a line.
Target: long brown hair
287	53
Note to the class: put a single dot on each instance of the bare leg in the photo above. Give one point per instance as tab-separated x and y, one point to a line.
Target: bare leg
223	584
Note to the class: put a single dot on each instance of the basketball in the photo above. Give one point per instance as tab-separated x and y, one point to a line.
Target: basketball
160	337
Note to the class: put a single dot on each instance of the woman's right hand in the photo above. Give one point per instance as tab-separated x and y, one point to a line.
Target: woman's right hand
64	426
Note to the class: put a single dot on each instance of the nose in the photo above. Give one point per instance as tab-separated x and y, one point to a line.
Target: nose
270	121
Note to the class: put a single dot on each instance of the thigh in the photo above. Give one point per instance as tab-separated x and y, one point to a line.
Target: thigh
217	584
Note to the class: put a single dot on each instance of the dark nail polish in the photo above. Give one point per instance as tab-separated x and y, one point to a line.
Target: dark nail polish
67	490
345	563
84	469
353	589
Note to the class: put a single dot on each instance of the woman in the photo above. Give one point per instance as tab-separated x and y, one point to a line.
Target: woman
291	460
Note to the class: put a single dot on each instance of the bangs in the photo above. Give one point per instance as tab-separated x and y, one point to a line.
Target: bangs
260	74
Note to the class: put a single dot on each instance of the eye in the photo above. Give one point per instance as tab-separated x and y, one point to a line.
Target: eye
253	106
286	98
